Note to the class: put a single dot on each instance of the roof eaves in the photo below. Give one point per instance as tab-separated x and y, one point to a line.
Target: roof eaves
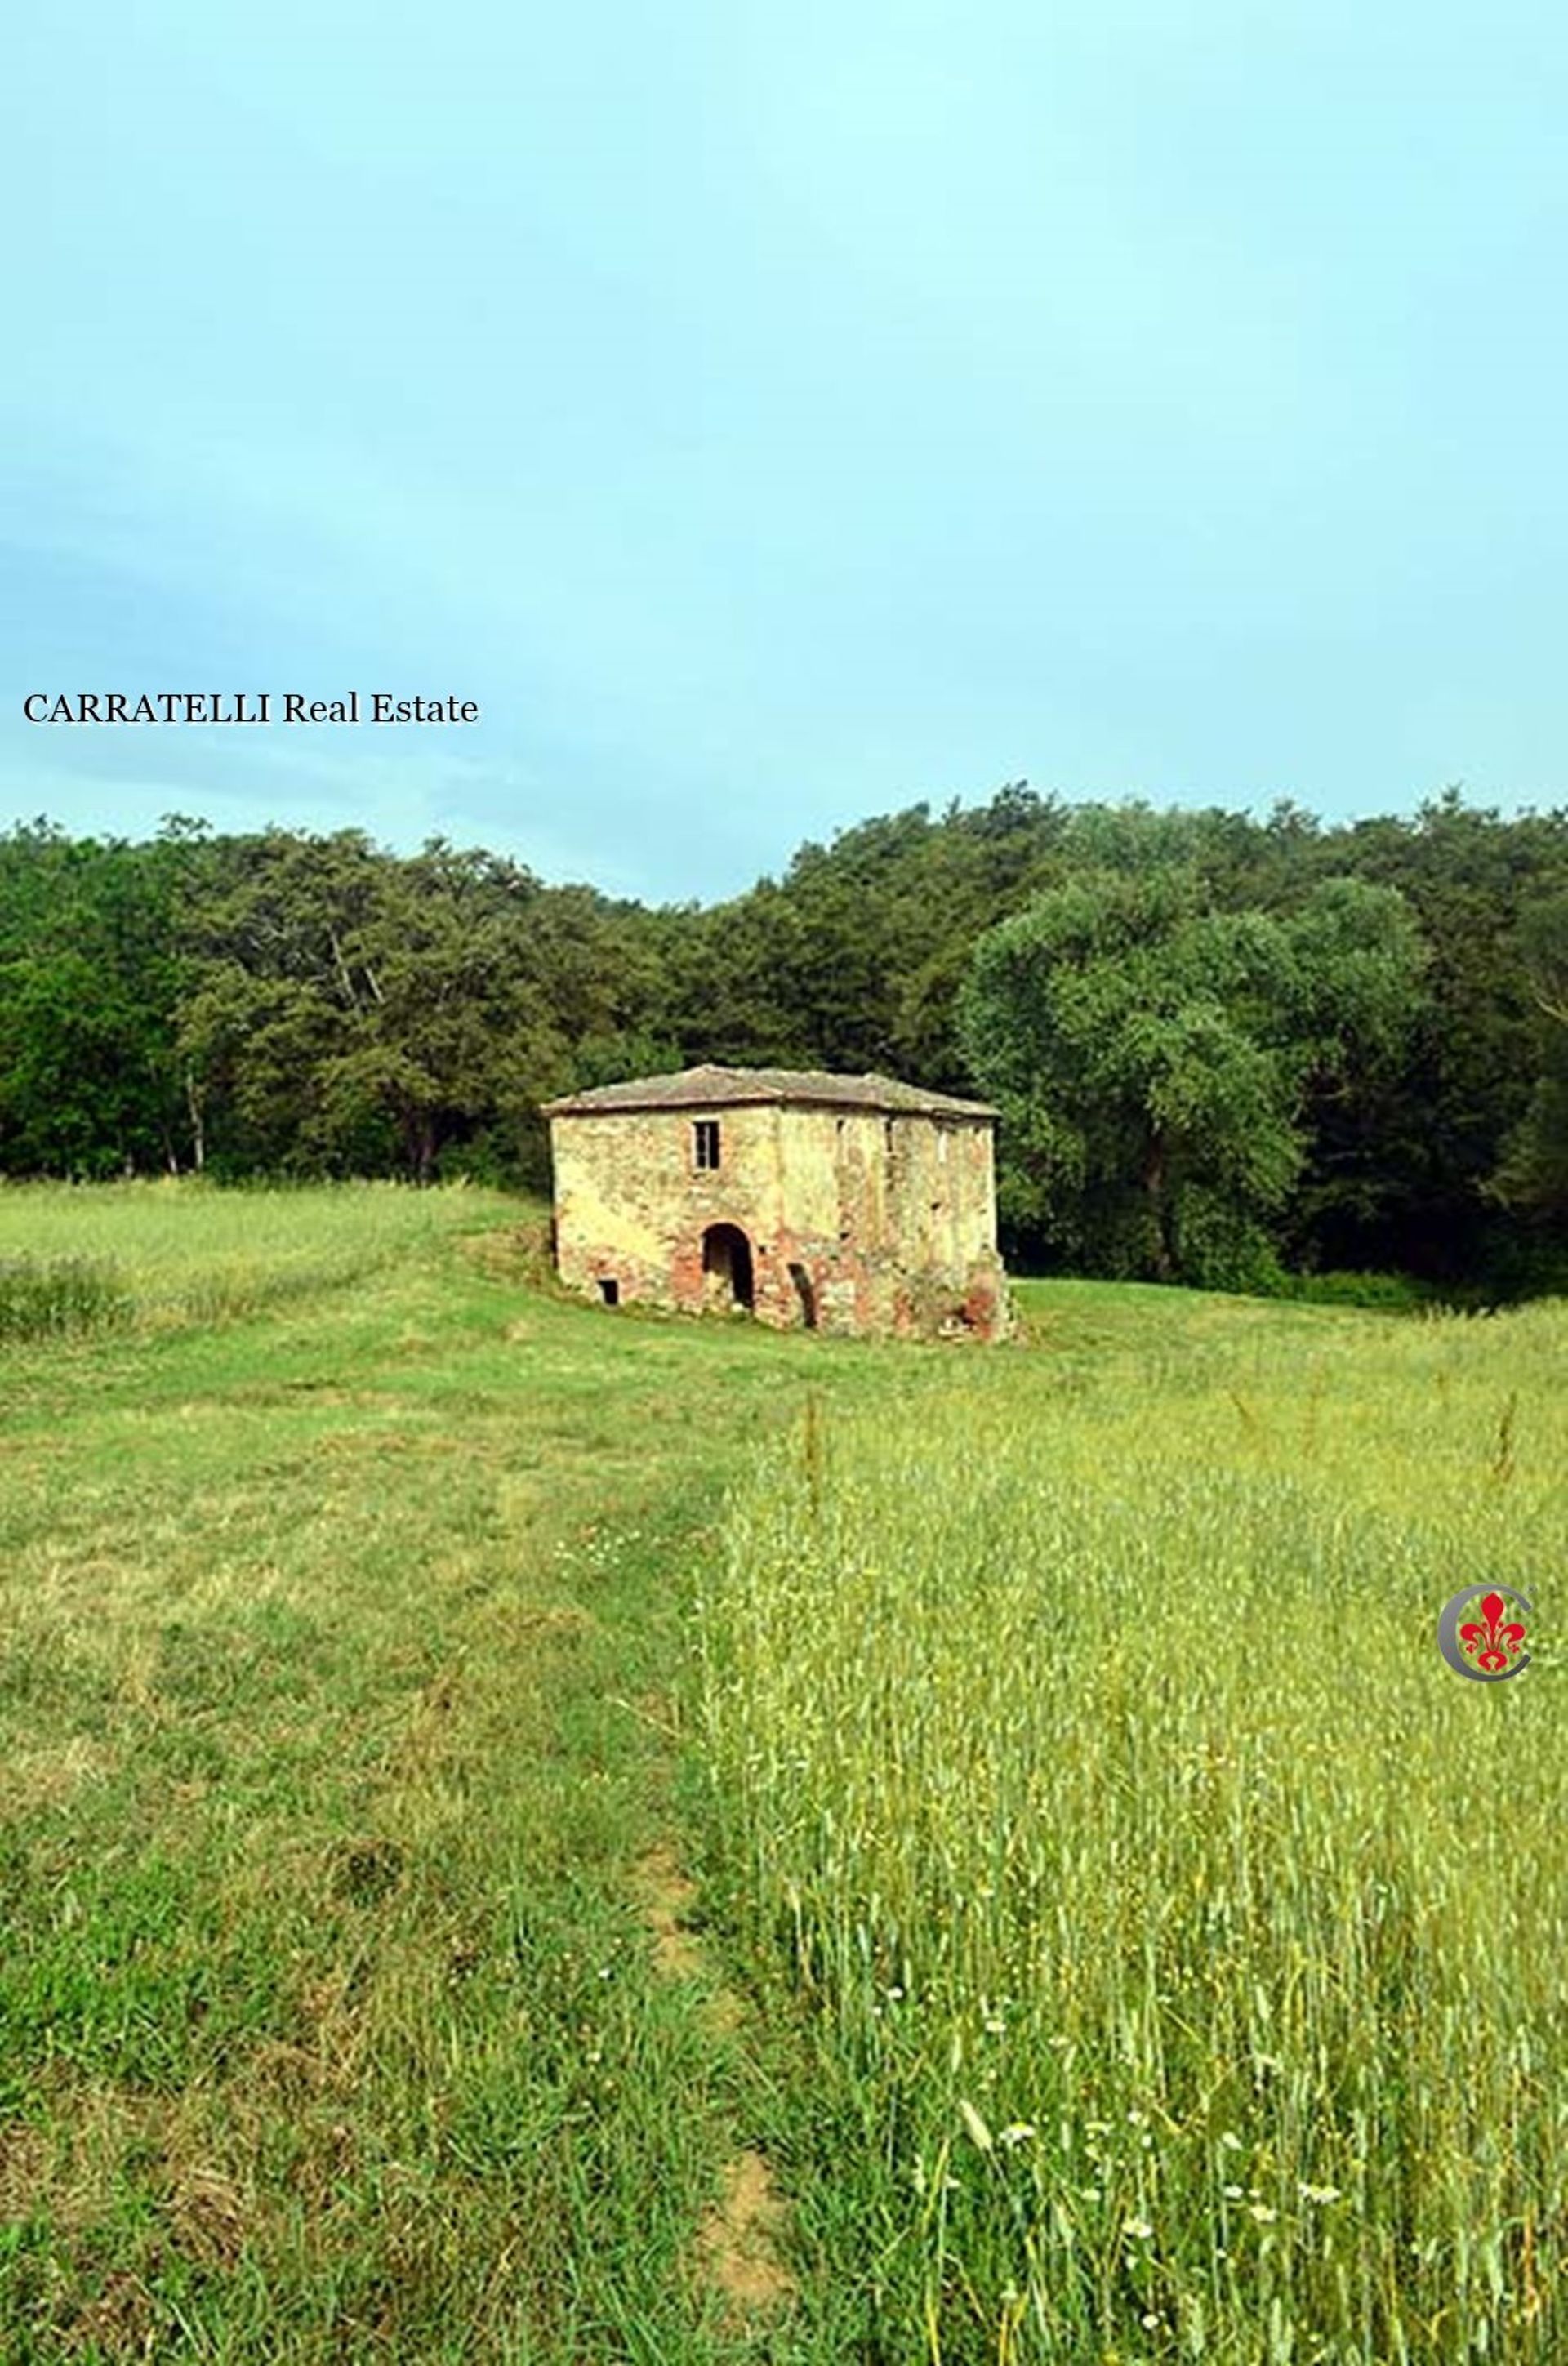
614	1104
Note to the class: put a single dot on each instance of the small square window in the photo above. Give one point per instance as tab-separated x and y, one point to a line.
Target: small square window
704	1143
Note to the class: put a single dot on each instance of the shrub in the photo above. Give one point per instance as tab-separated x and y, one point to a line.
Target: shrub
1393	1293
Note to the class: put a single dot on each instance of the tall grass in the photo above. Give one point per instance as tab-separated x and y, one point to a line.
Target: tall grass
1188	1947
45	1298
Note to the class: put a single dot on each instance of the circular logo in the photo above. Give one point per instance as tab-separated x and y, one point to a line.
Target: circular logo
1488	1646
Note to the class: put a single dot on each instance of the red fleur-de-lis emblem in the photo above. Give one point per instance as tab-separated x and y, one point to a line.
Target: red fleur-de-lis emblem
1500	1641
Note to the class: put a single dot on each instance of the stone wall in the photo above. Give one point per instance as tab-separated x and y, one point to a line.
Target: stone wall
853	1220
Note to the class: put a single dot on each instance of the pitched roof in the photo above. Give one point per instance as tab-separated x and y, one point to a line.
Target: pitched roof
714	1087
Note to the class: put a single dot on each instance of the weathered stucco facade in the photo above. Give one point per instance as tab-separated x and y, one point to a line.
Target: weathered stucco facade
840	1203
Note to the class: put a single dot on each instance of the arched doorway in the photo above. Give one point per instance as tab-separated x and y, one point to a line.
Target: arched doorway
727	1266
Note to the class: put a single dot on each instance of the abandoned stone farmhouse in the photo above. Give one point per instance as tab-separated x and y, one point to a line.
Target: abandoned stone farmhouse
832	1203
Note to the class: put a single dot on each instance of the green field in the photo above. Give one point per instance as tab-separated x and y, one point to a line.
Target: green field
1115	1935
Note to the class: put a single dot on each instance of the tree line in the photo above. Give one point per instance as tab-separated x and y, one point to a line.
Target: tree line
1223	1048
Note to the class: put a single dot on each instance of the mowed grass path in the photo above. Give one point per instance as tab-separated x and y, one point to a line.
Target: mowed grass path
338	1660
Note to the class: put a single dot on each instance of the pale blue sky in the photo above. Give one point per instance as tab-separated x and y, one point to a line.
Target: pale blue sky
775	415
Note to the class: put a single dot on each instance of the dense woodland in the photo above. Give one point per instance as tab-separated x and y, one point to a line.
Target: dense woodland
1224	1050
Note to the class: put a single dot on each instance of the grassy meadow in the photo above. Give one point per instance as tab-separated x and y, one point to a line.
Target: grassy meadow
97	1256
1118	1933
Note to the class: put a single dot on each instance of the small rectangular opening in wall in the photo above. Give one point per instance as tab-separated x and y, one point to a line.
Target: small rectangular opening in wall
609	1290
704	1143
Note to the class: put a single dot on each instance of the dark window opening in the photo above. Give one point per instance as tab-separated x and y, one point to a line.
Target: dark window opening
609	1290
704	1143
